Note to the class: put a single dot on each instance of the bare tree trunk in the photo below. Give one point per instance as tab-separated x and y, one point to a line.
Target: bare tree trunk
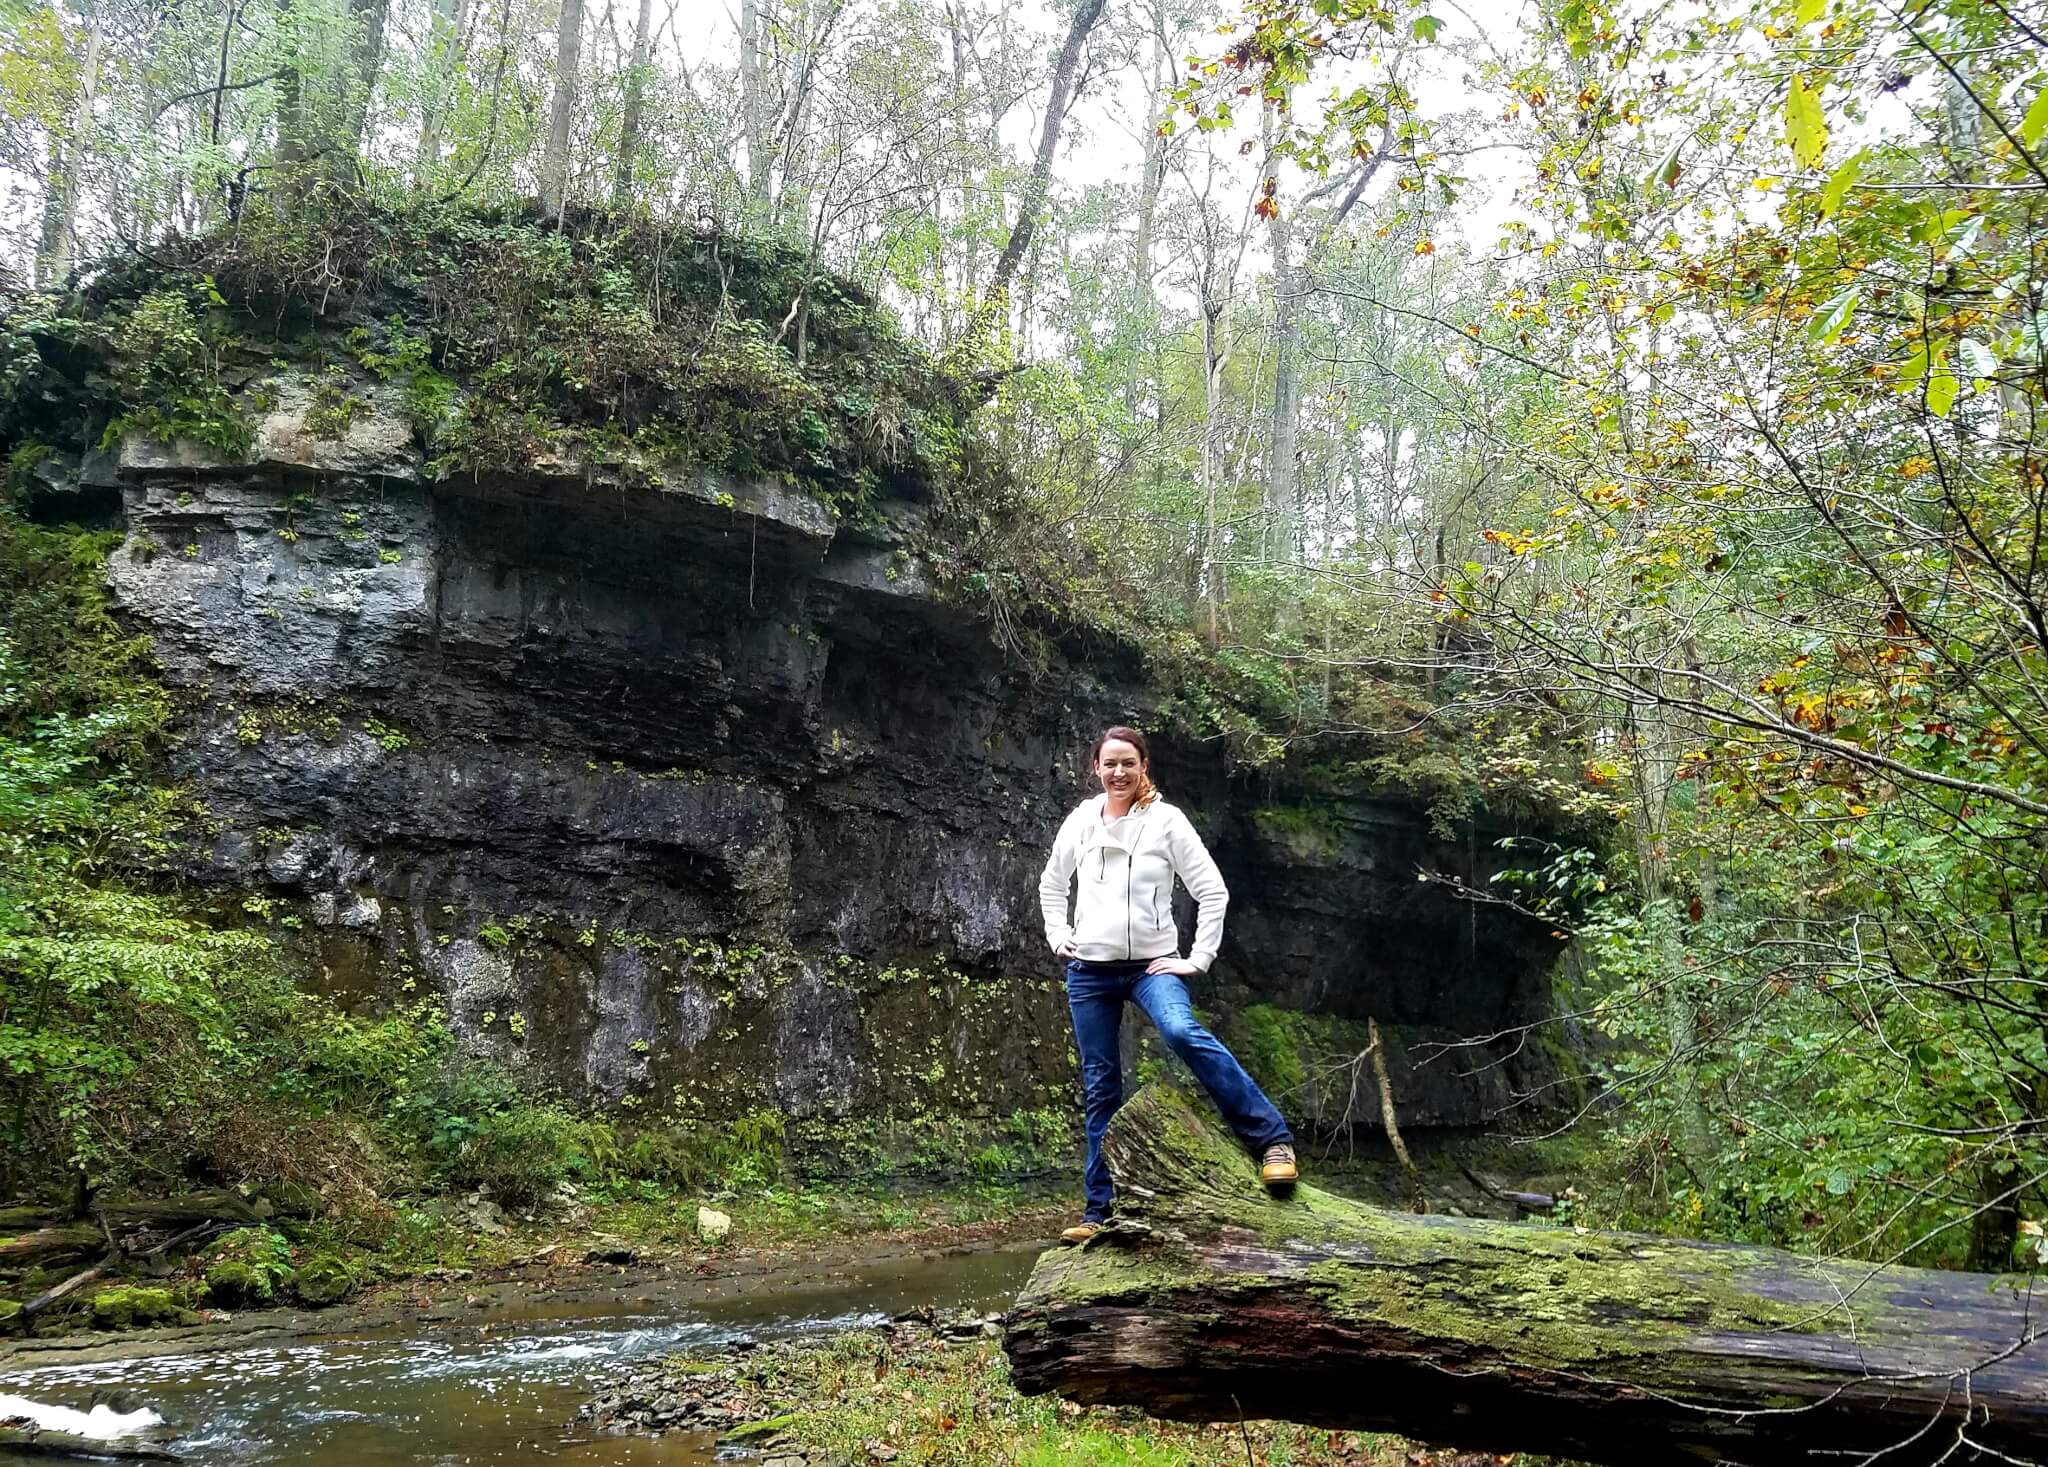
290	154
554	172
1215	356
963	299
635	103
754	111
1148	212
1281	539
448	39
366	59
1654	763
1036	186
67	173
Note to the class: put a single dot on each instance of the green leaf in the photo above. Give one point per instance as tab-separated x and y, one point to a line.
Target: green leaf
2035	123
1426	27
1941	392
2034	332
1839	183
1915	369
1810	11
1834	316
1978	358
1668	170
1964	235
1806	132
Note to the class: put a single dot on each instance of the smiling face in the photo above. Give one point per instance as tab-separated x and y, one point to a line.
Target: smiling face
1119	766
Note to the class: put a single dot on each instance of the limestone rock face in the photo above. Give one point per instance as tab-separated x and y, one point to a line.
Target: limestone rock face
682	794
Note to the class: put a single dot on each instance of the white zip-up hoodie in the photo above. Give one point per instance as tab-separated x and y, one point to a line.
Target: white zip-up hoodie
1125	870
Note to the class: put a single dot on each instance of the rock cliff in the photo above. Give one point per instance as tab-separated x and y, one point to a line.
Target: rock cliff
688	792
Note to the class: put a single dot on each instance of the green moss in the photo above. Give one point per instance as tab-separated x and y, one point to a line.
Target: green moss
246	1267
237	1286
1542	1296
760	1432
138	1308
1307	833
322	1280
1270	1046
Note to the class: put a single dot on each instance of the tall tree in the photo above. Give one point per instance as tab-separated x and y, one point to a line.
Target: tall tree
1086	14
637	74
554	168
69	148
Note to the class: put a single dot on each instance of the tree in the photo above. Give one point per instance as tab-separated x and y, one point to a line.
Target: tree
554	168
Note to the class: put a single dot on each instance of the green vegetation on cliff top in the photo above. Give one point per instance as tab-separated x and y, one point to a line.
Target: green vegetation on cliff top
615	343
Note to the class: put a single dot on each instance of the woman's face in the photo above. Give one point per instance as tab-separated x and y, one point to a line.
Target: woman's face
1118	766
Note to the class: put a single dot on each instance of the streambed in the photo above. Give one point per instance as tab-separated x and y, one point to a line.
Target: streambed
503	1383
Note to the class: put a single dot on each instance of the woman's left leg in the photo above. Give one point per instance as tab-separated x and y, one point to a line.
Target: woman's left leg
1257	1124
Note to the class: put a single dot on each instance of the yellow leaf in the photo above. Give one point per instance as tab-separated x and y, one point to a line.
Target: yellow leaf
1806	133
1811	11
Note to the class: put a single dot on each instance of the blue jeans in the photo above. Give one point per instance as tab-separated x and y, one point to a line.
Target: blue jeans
1096	995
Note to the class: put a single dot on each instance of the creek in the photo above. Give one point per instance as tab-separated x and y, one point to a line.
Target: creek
504	1382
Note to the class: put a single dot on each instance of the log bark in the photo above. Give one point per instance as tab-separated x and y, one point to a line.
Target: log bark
192	1207
46	1243
1207	1300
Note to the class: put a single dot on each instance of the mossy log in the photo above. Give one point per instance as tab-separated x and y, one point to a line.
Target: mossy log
224	1205
47	1243
1207	1300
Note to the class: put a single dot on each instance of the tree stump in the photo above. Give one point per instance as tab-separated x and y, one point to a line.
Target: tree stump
1206	1299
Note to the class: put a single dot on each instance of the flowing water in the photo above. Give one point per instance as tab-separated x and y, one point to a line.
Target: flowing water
502	1385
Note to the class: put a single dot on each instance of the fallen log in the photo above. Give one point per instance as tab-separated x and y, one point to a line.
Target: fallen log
1207	1300
191	1208
1521	1201
45	1243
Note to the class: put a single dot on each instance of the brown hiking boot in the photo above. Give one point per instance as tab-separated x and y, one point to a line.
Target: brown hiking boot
1276	1168
1080	1232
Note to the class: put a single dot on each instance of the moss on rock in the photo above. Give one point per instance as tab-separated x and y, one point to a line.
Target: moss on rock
137	1307
323	1279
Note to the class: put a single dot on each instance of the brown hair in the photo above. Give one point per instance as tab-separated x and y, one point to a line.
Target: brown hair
1122	733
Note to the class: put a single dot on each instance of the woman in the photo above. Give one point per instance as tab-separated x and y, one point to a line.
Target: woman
1126	845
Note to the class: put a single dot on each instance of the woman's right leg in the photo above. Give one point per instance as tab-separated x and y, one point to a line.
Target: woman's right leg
1096	1001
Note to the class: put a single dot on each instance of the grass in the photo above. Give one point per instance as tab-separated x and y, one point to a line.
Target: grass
950	1404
